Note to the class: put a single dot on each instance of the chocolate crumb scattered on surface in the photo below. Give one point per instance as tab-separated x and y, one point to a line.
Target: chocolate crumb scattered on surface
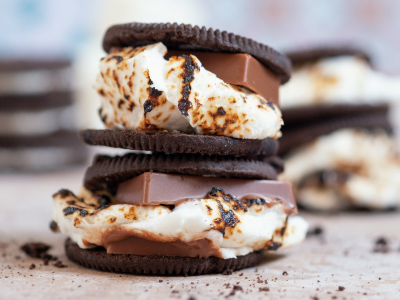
381	245
59	264
227	272
36	250
341	288
315	231
235	289
285	273
32	266
54	226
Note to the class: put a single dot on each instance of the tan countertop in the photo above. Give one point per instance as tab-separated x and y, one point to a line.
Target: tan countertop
341	256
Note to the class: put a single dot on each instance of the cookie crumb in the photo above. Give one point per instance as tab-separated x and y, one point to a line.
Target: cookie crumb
36	250
227	272
285	273
381	245
59	264
341	288
263	289
317	231
32	266
234	290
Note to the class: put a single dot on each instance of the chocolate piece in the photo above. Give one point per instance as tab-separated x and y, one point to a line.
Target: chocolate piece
156	188
239	69
186	37
121	242
157	265
107	172
177	142
300	57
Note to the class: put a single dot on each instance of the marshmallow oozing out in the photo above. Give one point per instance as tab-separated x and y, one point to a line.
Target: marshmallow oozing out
231	228
139	89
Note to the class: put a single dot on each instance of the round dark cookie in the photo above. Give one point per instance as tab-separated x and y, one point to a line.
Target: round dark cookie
107	172
300	115
33	65
60	138
178	142
300	57
98	259
296	136
35	102
186	37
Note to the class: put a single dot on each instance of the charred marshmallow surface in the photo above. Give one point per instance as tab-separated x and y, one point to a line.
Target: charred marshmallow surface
231	227
343	79
139	89
346	167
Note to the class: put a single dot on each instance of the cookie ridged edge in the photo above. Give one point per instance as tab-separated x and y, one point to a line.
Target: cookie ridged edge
157	265
107	172
184	36
177	142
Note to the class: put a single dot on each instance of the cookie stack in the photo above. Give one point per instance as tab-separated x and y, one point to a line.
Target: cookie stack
198	194
337	141
38	129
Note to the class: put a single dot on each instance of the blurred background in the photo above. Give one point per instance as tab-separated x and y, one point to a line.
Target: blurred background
71	31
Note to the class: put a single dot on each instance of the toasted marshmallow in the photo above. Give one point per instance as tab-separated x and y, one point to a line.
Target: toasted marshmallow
231	229
139	89
342	79
368	162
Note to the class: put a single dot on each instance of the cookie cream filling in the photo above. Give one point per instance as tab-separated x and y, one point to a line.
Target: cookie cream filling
347	167
140	89
230	230
343	79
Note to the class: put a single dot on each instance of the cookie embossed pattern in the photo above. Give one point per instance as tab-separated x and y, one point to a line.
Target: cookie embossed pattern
199	194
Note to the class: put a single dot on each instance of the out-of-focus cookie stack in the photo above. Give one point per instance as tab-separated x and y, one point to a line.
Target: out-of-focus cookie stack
337	140
38	128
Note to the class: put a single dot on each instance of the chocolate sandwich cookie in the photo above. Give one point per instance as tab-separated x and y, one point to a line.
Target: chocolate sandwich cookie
322	120
35	102
194	38
107	172
297	116
157	265
203	198
179	142
300	57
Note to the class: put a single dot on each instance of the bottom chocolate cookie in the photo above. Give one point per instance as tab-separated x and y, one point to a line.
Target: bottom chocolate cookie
97	258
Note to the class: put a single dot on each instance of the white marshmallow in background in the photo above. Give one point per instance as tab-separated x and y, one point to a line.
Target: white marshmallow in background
342	80
370	158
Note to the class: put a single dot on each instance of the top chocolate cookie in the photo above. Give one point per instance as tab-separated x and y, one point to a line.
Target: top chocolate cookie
186	37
